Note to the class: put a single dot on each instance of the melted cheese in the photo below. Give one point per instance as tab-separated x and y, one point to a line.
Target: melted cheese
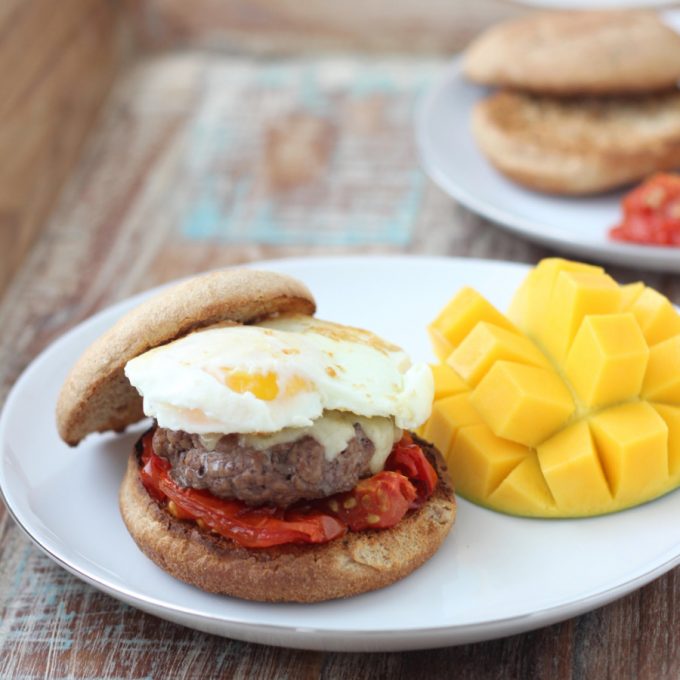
333	430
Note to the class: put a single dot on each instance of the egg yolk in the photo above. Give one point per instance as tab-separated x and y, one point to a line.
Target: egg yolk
264	386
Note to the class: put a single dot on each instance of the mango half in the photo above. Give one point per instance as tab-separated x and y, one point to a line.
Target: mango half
569	405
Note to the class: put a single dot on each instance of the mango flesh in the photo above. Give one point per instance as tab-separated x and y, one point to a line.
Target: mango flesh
568	407
607	360
459	317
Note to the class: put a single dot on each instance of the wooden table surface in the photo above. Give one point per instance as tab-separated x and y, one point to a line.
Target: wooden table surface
203	161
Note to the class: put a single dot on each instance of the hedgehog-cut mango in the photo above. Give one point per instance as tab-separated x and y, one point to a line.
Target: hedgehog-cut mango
569	405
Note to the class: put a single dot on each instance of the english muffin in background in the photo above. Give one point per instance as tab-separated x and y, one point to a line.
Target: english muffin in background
579	145
570	53
589	100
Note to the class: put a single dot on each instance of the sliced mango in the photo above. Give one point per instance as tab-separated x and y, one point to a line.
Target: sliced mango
662	380
459	317
448	416
630	293
482	460
572	407
446	381
633	442
572	469
524	404
575	295
671	416
657	317
525	488
607	360
487	344
532	299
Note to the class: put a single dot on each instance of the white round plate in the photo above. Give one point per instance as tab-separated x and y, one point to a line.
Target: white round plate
494	575
576	225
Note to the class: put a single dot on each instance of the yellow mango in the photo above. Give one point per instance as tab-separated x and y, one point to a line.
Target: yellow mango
572	470
576	295
524	404
633	443
607	360
441	346
577	413
671	416
485	345
662	380
656	315
482	460
448	416
459	317
446	381
630	293
524	488
532	300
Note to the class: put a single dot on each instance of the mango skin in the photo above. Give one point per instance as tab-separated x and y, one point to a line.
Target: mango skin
568	408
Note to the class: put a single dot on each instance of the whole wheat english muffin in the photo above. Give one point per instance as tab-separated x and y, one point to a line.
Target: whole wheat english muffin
578	145
277	468
568	53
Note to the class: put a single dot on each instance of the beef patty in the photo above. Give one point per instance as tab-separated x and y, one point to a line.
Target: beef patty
279	475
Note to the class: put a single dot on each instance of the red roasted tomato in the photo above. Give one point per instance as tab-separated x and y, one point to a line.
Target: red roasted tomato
377	502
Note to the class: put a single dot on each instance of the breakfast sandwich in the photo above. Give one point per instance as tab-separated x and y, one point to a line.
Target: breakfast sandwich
280	464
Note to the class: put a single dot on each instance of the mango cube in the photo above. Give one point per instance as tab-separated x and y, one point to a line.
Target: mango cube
524	404
607	360
524	488
446	381
662	380
482	460
459	317
575	295
485	345
630	293
633	443
656	315
572	470
671	416
448	416
532	299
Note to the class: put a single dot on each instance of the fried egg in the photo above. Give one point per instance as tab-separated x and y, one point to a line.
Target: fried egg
283	372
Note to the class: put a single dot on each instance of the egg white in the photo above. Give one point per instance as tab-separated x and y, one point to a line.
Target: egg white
317	365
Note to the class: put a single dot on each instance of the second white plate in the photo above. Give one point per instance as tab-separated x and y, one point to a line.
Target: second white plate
575	225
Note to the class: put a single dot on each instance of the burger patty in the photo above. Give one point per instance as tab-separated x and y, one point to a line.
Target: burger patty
279	475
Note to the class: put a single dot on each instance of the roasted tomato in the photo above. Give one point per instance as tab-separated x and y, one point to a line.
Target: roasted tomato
377	502
409	459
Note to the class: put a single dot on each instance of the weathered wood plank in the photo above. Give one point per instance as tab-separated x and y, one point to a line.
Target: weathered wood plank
50	94
287	26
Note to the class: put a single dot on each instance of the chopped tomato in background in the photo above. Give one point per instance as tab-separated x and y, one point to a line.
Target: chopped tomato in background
651	213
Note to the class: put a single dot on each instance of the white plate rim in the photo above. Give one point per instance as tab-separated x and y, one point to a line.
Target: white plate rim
322	639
